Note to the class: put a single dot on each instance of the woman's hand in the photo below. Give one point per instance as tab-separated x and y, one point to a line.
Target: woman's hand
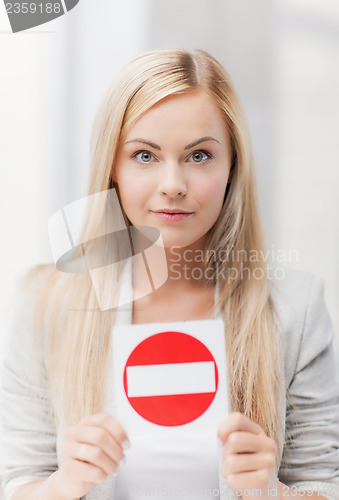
249	457
92	451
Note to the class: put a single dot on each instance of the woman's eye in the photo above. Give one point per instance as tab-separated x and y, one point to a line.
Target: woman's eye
144	156
200	156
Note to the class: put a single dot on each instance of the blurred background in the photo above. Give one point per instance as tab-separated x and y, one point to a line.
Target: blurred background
283	56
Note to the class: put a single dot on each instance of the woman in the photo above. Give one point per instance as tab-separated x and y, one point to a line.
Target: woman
170	138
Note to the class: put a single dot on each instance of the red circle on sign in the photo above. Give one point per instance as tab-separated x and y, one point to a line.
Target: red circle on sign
166	348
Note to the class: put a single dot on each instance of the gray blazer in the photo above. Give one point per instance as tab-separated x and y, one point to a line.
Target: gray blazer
31	448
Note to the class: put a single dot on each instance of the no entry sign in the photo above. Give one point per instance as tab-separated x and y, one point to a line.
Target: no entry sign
170	395
170	378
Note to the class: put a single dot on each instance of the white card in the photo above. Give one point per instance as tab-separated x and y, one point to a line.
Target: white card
170	378
170	387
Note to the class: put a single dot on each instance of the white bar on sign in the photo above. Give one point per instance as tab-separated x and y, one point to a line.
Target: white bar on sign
170	379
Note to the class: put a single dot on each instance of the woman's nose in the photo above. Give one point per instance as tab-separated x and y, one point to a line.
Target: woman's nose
172	182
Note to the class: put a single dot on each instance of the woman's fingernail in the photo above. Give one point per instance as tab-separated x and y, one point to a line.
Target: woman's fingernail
126	444
220	442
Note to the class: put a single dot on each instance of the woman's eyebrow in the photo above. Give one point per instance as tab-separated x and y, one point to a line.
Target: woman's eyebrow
199	141
189	146
149	143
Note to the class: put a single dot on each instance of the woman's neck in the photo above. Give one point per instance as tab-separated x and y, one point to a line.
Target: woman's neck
184	268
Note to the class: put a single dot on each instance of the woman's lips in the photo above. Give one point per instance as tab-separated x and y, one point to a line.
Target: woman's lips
172	216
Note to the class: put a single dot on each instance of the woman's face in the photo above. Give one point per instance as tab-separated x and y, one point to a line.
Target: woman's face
173	167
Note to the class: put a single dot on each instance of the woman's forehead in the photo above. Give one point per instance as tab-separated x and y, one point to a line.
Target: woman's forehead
194	112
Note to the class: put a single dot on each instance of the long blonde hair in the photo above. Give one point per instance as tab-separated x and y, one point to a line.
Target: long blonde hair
77	333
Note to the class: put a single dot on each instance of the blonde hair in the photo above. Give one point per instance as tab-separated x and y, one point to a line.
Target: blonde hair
78	334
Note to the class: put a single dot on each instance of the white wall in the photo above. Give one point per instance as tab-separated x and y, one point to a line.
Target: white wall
308	147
